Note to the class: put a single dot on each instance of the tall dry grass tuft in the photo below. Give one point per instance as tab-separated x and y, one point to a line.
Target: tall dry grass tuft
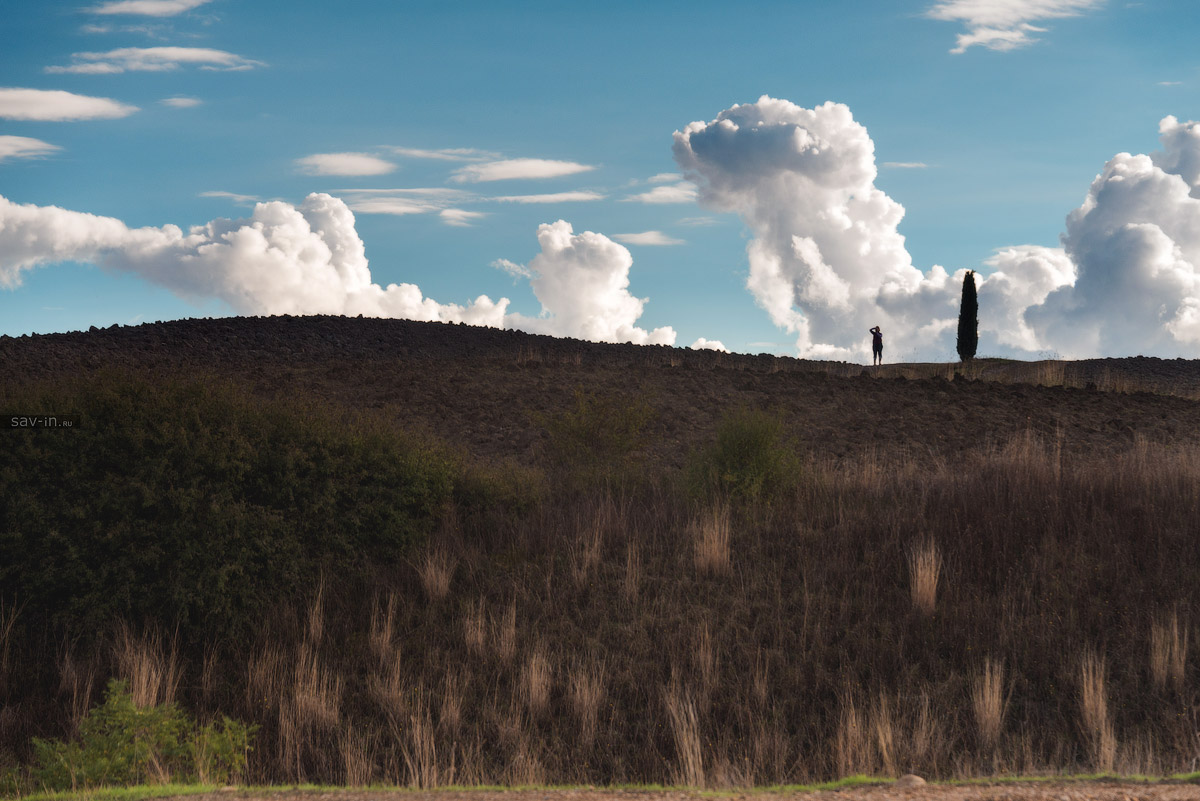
316	691
632	579
711	535
475	629
389	690
988	704
1168	653
358	757
924	570
314	629
420	752
705	655
589	539
587	693
852	747
536	680
76	682
688	770
1093	713
383	629
450	710
437	571
883	730
149	664
504	634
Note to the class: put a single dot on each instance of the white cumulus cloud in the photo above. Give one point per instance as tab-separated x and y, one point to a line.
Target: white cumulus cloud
509	169
1004	24
582	282
24	147
651	238
708	344
283	259
148	8
153	59
55	105
353	164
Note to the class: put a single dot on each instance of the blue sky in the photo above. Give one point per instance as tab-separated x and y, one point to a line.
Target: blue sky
999	143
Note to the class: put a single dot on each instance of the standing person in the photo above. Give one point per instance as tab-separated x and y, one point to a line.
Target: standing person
877	345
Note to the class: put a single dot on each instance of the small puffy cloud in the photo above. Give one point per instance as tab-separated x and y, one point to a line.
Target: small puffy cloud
55	105
344	164
905	165
283	259
24	147
652	238
665	178
582	282
553	197
509	169
460	217
181	102
153	59
708	344
148	8
445	154
682	192
1004	24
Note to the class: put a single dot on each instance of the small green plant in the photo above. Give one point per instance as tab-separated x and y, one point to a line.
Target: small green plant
751	460
598	434
121	743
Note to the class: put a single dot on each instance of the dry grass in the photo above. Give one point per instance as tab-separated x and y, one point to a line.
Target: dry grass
150	665
475	629
924	570
1093	713
504	634
358	757
632	578
988	704
852	749
383	629
437	571
712	541
536	681
1168	653
688	770
586	686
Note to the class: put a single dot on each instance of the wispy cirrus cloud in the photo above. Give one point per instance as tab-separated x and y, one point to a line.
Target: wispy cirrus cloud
55	105
648	238
512	169
147	8
344	164
1004	24
445	154
241	200
906	165
460	218
24	147
581	196
154	59
181	102
682	192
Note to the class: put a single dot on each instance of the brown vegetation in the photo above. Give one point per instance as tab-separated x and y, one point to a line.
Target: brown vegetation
911	599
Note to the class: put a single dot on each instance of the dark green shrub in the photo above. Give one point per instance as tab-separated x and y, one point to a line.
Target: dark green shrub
121	744
752	459
599	436
194	504
968	320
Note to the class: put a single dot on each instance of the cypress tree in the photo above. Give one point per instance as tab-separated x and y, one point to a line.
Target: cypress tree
968	319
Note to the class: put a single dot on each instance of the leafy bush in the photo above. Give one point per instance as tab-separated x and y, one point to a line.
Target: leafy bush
190	502
599	435
121	744
751	460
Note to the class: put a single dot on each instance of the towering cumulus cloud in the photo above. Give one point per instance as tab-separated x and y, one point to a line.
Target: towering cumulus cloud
826	261
1135	243
284	259
582	282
